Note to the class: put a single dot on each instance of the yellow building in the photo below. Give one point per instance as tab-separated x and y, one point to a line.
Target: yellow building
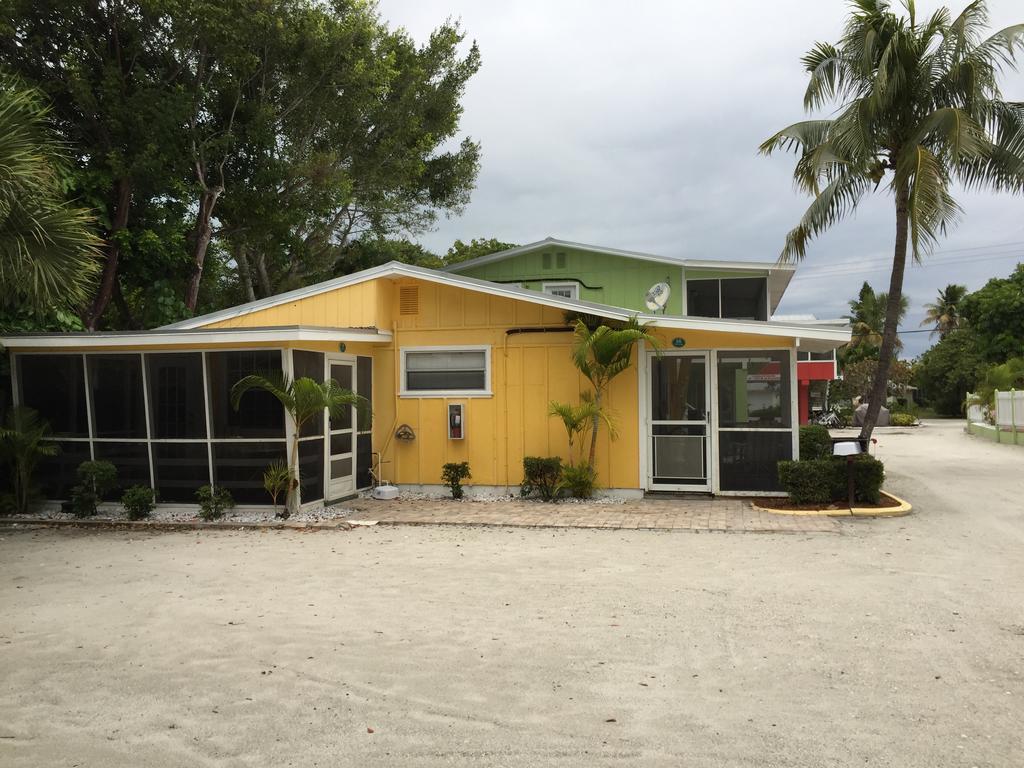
456	369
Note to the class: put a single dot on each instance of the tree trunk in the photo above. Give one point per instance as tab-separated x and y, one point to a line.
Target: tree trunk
119	221
293	499
244	271
261	274
200	238
594	426
879	387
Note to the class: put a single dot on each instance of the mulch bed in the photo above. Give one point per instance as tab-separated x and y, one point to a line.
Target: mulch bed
774	502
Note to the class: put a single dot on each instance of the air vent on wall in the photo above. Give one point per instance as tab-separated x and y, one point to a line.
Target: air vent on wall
560	260
409	300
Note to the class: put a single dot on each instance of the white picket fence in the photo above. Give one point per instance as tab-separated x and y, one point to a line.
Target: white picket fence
1009	410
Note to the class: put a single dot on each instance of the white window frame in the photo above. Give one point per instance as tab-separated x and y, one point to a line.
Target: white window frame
436	393
570	284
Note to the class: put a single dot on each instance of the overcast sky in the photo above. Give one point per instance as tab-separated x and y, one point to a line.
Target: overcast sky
636	126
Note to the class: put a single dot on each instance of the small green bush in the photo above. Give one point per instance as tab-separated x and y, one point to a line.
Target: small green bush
868	476
902	419
815	442
138	501
578	481
95	480
213	502
452	475
808	482
541	475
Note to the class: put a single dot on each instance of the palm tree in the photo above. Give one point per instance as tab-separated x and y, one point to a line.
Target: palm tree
867	317
602	354
304	399
49	254
944	314
919	105
23	442
579	419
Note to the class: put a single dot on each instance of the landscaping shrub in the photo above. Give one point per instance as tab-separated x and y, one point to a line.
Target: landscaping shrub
138	501
452	475
541	475
902	419
95	480
808	482
815	442
578	481
213	502
868	476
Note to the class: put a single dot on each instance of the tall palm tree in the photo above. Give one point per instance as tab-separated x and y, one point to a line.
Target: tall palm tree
919	106
944	314
49	254
601	354
867	317
304	399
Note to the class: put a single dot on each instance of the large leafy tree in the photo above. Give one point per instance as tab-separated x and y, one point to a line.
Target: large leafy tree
478	246
867	321
943	315
48	251
919	109
946	372
995	314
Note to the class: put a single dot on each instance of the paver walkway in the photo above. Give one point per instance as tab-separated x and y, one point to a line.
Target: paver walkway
698	515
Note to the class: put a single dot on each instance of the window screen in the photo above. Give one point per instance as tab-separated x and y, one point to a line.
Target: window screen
364	386
180	469
310	365
753	390
311	469
748	460
745	298
131	461
702	298
56	475
118	405
54	385
446	370
259	413
239	467
176	402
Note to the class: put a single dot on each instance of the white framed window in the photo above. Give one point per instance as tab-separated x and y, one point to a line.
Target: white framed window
567	290
454	371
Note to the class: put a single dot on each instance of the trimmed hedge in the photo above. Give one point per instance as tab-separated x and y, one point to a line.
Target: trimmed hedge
815	442
902	420
821	481
541	475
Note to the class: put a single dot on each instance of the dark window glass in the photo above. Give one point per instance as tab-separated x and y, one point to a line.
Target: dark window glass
743	298
678	391
118	405
310	365
364	386
342	374
56	474
259	413
446	370
364	459
753	389
176	403
702	298
748	460
311	469
181	469
54	385
131	460
239	467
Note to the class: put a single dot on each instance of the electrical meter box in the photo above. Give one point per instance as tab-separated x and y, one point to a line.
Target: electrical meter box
456	421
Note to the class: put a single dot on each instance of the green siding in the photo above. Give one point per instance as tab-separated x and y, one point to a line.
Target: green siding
606	279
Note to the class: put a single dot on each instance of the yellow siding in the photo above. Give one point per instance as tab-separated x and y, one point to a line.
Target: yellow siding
365	305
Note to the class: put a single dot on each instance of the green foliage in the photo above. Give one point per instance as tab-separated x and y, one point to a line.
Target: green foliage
541	475
138	501
1009	375
902	419
24	441
278	478
995	314
943	315
452	475
823	481
475	248
815	442
867	320
95	480
578	481
214	502
949	370
579	419
858	378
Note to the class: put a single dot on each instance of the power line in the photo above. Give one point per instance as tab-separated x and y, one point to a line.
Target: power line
930	258
923	265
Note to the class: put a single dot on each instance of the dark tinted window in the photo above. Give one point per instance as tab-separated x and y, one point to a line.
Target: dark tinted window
131	460
239	467
311	469
364	385
181	469
56	474
753	389
677	388
702	298
176	402
310	365
364	459
748	460
259	413
54	385
118	405
744	298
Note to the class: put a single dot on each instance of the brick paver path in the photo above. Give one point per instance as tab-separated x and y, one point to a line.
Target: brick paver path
697	515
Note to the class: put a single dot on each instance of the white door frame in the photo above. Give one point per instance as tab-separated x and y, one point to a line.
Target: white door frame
647	422
335	490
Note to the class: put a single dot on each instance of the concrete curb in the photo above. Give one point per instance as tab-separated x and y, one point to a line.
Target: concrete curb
181	525
904	508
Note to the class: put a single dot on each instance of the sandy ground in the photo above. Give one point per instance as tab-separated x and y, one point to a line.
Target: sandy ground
899	643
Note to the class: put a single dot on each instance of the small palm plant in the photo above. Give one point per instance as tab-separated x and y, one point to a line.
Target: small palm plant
23	442
277	479
304	399
601	354
579	419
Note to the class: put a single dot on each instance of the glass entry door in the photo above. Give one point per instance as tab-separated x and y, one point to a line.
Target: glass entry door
679	450
341	464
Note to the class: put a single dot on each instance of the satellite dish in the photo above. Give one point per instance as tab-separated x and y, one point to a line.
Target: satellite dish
657	296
